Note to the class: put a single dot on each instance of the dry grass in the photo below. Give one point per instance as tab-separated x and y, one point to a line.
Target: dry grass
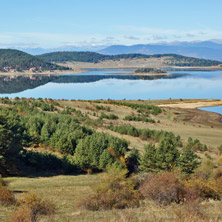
205	126
6	196
66	191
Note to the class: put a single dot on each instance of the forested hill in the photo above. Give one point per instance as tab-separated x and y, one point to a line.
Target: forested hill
19	61
86	56
169	59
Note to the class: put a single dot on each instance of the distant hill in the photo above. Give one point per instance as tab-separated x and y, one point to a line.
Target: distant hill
86	56
170	59
204	50
16	60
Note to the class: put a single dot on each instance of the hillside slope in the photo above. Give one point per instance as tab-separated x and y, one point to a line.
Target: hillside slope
86	56
92	57
15	60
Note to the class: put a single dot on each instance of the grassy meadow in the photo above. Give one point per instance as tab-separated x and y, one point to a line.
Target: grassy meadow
66	191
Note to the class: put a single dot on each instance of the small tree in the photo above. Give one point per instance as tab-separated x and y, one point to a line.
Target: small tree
167	154
148	159
188	160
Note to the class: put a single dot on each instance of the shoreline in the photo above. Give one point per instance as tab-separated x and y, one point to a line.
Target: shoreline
47	73
194	105
150	74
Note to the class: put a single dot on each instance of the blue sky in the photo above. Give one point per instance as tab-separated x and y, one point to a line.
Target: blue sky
55	23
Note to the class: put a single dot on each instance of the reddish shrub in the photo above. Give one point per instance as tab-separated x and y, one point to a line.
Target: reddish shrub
163	188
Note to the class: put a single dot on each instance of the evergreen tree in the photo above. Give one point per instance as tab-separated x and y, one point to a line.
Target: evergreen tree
10	140
167	154
188	160
148	159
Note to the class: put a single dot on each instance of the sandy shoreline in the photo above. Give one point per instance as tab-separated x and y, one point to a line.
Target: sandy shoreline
194	105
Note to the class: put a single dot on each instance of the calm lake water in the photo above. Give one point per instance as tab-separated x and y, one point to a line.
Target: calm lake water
109	84
215	109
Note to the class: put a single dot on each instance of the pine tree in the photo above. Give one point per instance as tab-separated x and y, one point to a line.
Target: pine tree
188	160
148	159
167	154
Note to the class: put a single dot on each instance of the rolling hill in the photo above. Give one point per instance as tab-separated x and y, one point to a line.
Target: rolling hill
15	60
92	57
86	56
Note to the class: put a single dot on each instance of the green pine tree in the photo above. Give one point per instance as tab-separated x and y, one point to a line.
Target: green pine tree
147	161
188	160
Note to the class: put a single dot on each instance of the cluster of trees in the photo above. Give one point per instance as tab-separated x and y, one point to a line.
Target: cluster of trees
178	60
149	70
24	125
26	122
110	116
166	157
139	118
20	61
101	107
145	134
150	109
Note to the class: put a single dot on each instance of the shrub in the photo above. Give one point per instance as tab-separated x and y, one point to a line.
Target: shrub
218	173
34	207
139	118
206	169
196	145
189	211
220	148
6	196
111	116
163	188
2	182
115	191
204	188
23	214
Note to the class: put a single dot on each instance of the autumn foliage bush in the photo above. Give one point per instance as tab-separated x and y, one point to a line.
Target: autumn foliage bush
115	191
163	188
32	208
6	196
23	214
206	189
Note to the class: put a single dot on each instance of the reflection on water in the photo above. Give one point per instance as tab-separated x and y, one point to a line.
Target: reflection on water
108	84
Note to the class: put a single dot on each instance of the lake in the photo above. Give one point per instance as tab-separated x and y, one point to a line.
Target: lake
215	109
108	84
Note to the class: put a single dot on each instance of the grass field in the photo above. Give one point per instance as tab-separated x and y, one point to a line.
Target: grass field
191	122
66	190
